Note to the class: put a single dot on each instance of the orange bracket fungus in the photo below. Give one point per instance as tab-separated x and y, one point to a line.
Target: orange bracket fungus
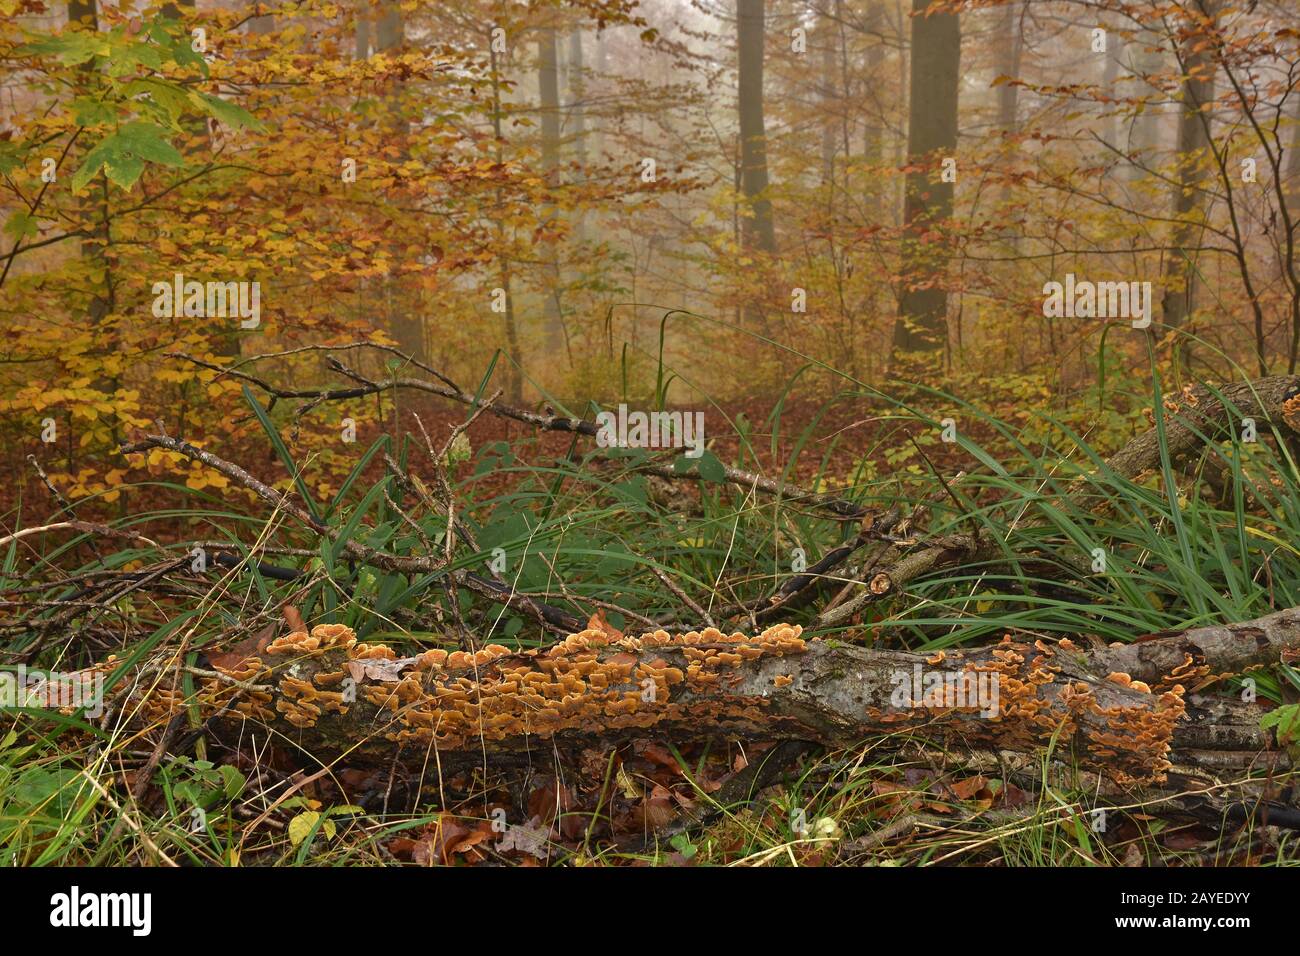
1128	711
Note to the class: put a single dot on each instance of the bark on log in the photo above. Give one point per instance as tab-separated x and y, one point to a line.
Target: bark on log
1189	422
329	694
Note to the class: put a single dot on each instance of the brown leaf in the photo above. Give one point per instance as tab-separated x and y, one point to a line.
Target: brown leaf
966	789
293	618
389	672
249	647
599	623
656	810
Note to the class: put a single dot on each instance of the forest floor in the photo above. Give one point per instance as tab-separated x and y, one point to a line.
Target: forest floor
179	789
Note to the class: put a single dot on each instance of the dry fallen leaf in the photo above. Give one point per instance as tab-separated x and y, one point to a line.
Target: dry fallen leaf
598	622
389	672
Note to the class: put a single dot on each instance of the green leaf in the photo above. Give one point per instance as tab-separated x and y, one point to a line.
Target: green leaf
711	469
122	154
72	49
11	157
48	791
236	117
1287	721
89	111
124	170
21	225
233	779
148	141
170	98
134	54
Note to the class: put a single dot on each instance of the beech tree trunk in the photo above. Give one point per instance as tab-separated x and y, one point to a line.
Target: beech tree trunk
922	325
1193	140
577	83
1010	44
758	231
548	87
388	33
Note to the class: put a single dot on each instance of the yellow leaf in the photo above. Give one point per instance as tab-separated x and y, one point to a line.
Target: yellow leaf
301	825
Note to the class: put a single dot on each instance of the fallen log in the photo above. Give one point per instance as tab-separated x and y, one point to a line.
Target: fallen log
1124	712
1199	414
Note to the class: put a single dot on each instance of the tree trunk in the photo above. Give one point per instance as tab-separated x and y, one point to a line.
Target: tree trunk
828	37
548	88
873	146
514	378
405	322
95	206
1193	141
758	232
1110	86
262	24
1146	61
577	116
922	326
363	30
1010	42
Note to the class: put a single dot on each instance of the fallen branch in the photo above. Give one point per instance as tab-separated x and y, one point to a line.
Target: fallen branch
554	618
840	507
1199	414
330	694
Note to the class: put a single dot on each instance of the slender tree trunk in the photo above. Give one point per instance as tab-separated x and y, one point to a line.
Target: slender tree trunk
363	30
1292	172
828	38
548	87
931	137
1290	197
391	30
263	24
1010	43
514	380
403	318
1110	85
1146	61
577	94
873	147
95	205
759	230
1193	141
577	111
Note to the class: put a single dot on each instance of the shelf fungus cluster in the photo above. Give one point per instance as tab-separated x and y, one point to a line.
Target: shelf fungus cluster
592	683
1131	731
325	689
